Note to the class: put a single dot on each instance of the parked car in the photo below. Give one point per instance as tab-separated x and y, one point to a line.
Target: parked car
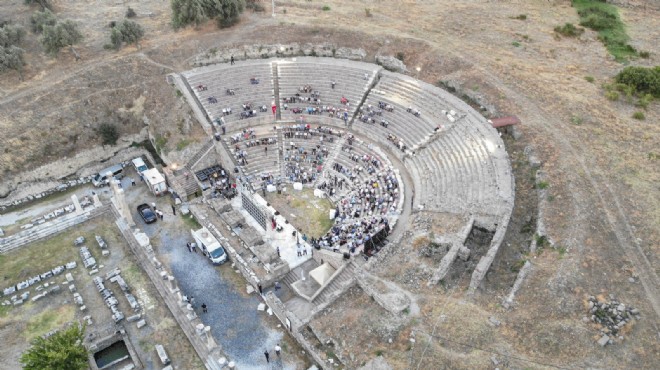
147	213
101	179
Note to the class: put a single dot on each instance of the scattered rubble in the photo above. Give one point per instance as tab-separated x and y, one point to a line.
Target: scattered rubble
612	316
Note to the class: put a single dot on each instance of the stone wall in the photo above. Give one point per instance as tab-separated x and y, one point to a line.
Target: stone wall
50	179
260	51
335	260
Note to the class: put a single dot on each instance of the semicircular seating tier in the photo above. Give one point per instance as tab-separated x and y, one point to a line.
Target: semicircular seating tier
457	161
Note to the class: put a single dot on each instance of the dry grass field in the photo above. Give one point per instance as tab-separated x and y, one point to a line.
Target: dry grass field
600	163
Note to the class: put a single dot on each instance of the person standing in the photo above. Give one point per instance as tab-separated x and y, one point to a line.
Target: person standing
267	356
261	289
173	210
194	247
232	60
278	350
132	181
204	308
189	247
278	252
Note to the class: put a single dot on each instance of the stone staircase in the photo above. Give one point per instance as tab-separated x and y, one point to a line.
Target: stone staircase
332	157
337	285
276	91
204	150
184	182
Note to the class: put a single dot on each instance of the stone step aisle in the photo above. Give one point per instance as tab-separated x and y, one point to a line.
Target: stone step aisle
200	154
281	164
345	278
332	157
276	91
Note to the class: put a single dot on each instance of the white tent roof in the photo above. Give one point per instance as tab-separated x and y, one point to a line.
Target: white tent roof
322	273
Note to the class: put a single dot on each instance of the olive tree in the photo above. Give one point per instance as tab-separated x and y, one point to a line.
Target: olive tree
61	35
39	20
63	350
11	55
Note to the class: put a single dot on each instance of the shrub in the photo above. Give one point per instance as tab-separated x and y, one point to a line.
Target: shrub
612	95
644	54
255	5
543	185
645	100
589	78
367	13
40	19
576	120
569	30
515	43
130	13
520	17
400	56
642	79
639	116
109	134
325	8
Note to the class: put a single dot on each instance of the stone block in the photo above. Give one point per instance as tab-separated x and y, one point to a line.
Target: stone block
464	253
71	265
261	307
603	340
142	323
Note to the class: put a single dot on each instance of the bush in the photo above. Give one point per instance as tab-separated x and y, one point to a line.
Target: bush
642	80
644	54
400	56
516	44
569	30
639	116
612	95
645	100
367	13
589	78
255	5
520	17
325	8
130	13
109	134
40	19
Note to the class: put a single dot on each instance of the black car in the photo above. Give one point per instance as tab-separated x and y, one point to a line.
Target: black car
147	213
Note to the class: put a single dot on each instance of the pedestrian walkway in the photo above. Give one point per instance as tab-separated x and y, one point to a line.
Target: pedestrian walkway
237	326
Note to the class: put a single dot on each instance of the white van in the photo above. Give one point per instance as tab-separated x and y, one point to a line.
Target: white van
210	246
139	165
101	178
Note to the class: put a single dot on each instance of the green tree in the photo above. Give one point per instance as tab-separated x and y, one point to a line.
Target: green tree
131	32
45	4
227	11
41	19
115	38
62	34
11	58
11	55
63	350
185	12
11	35
109	133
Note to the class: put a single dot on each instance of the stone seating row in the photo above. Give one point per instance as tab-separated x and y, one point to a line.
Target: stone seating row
459	174
218	81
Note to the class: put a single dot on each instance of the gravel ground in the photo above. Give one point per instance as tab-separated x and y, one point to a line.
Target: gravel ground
234	320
